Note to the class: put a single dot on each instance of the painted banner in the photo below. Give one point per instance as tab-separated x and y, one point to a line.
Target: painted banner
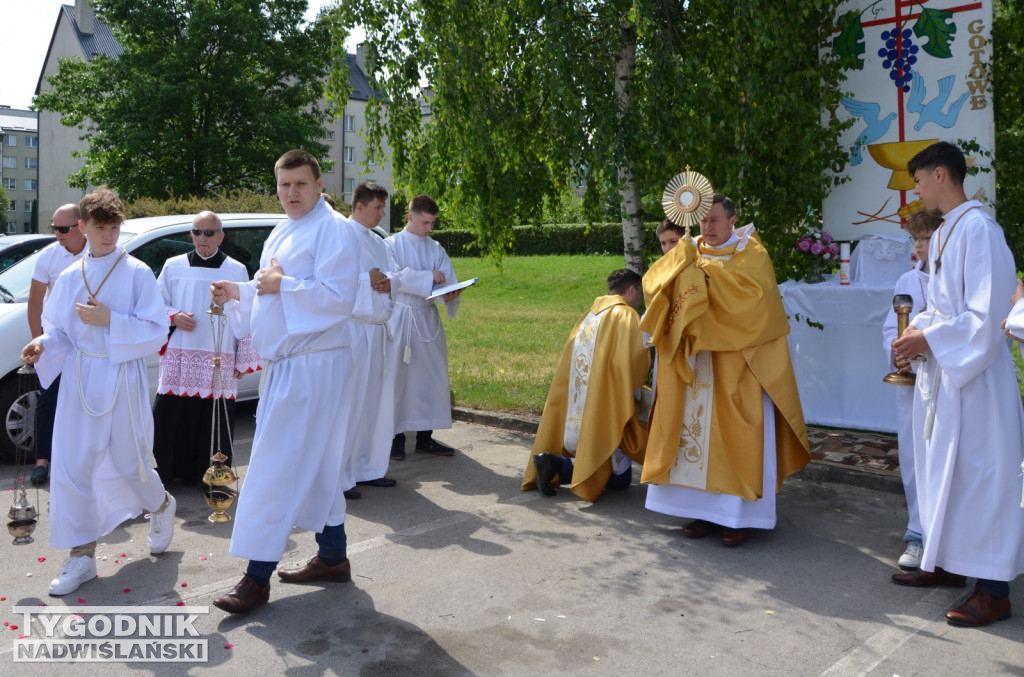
917	74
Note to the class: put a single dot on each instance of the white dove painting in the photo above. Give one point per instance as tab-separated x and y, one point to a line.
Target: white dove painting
875	126
932	110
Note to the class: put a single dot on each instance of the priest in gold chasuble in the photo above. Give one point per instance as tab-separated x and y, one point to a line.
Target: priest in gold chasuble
726	426
589	433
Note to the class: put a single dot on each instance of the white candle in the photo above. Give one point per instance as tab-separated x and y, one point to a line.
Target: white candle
844	263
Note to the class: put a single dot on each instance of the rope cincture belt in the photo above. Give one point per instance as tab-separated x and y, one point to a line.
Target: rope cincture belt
143	447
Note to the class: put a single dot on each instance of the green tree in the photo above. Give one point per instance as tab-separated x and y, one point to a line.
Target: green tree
1007	71
205	95
528	97
4	201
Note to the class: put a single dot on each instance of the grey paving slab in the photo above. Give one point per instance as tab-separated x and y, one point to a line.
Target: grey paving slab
458	572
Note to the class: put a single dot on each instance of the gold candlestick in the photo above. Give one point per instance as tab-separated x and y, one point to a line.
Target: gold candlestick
902	304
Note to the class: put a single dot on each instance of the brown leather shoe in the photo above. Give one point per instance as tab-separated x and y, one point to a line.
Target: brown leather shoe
734	536
980	609
928	579
245	597
698	529
316	570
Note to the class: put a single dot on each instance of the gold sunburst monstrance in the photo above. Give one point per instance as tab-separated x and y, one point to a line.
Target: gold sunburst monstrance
687	198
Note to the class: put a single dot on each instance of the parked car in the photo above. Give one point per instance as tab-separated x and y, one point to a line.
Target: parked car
152	240
14	248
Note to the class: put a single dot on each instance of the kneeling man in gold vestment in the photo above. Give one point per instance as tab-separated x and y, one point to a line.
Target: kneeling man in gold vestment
589	434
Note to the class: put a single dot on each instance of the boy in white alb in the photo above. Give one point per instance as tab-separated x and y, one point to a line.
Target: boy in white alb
422	396
298	309
966	403
104	317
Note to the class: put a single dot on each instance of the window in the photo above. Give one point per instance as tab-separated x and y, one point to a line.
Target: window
31	142
10	184
350	123
349	154
12	206
10	140
28	206
31	184
330	135
348	186
372	161
10	162
327	169
31	163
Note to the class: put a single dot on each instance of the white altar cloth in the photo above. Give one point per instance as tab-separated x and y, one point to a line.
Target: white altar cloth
839	370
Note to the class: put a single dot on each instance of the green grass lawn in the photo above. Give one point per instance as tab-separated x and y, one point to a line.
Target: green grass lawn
504	343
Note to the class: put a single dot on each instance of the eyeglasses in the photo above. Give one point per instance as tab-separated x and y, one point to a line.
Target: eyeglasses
918	240
208	232
63	230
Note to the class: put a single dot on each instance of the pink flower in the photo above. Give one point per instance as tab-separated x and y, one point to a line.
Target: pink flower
803	244
827	255
817	248
826	236
834	249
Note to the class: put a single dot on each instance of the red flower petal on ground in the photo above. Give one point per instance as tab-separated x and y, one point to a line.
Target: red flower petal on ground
184	584
181	604
81	600
127	589
14	627
40	559
117	561
22	636
229	646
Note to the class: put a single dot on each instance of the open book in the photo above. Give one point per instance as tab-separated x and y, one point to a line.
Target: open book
447	289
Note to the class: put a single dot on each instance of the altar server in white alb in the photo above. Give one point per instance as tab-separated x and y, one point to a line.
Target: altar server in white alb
422	396
373	351
968	457
103	318
913	283
298	308
193	384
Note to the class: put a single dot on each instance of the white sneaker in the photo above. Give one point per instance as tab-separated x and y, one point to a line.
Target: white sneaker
911	558
76	570
161	527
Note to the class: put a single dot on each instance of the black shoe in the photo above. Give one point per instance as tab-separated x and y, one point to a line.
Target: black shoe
547	466
434	448
353	493
398	447
39	474
379	482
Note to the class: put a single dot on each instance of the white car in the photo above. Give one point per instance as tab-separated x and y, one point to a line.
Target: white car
152	240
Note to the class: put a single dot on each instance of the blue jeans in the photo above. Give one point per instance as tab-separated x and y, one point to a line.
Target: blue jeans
332	541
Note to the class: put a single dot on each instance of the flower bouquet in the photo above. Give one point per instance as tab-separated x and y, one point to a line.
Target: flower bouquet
822	252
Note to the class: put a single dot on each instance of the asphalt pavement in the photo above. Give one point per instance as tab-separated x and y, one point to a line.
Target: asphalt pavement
458	572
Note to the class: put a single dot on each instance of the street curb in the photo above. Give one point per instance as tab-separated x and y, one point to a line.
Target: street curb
852	471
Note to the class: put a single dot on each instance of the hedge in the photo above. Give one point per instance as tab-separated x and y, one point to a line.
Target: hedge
568	238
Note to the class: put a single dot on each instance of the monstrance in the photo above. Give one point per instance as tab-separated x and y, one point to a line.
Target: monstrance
687	198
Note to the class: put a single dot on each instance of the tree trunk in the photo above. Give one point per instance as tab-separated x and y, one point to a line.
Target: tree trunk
632	212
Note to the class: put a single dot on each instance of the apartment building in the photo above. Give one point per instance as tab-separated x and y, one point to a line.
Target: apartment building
19	168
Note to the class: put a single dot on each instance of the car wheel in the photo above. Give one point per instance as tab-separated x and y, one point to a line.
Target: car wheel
19	422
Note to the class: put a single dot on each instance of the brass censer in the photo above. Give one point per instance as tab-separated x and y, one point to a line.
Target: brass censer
219	476
22	514
902	304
